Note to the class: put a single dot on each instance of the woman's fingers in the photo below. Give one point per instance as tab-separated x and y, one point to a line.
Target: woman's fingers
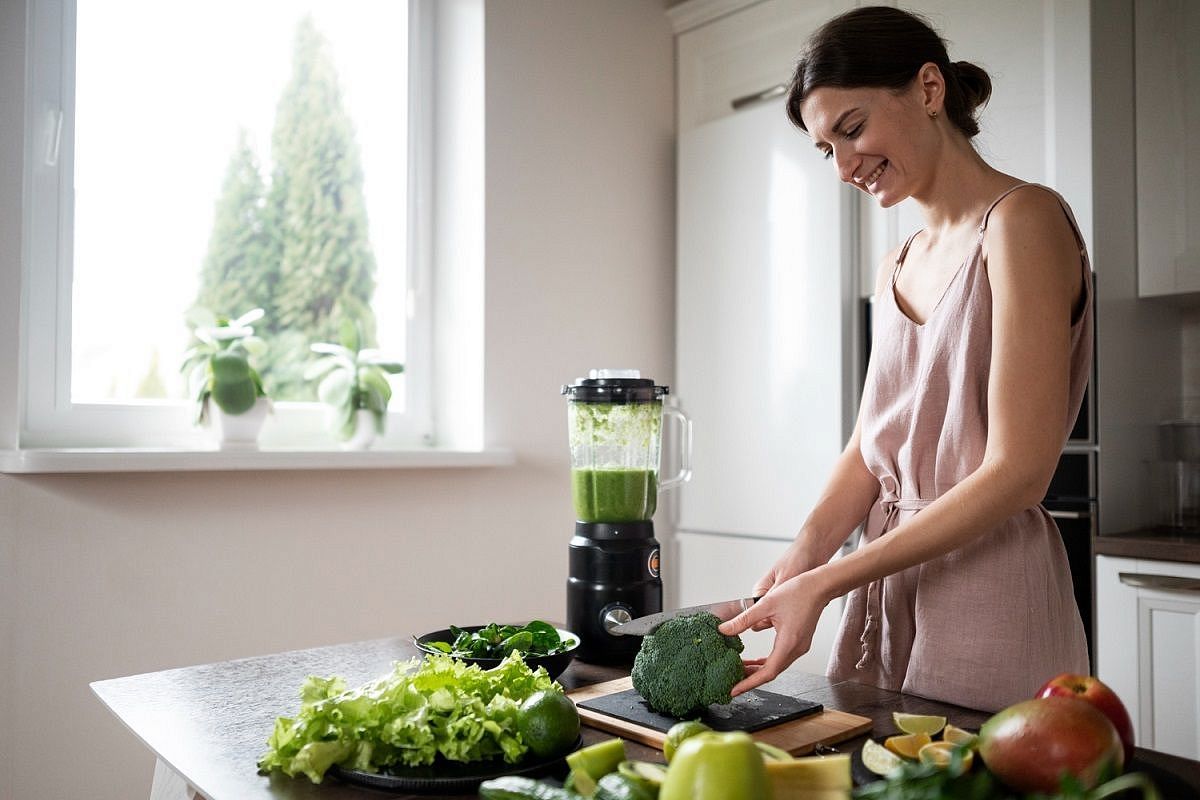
744	621
755	677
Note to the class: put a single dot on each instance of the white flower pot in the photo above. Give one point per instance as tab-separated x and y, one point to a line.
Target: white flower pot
239	431
364	431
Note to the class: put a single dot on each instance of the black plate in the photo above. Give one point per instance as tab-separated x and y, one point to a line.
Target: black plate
554	664
449	777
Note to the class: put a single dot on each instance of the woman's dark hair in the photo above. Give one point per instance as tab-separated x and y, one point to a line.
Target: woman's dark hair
883	47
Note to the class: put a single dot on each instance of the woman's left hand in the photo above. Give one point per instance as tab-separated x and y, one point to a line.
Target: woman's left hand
792	608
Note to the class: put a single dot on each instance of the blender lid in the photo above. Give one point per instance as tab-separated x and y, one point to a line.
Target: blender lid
614	386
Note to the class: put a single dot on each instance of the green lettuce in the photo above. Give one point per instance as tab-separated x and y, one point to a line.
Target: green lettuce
439	707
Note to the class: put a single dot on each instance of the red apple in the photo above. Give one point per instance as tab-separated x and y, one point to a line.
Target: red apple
1032	744
1089	688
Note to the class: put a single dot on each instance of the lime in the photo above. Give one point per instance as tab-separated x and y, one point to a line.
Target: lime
596	760
907	745
548	722
918	723
678	732
939	753
956	735
879	759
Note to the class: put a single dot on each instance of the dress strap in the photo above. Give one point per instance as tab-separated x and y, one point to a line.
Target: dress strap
903	252
1004	194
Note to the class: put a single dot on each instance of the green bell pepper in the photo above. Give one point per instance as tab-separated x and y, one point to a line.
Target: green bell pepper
716	766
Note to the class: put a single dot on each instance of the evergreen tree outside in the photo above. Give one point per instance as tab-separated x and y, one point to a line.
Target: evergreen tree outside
236	275
316	215
298	248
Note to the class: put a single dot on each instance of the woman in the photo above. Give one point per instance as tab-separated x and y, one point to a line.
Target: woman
960	589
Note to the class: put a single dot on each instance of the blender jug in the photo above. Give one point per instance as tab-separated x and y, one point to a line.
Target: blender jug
615	420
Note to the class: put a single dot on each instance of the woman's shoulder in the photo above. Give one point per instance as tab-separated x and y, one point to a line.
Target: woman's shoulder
1027	229
1028	206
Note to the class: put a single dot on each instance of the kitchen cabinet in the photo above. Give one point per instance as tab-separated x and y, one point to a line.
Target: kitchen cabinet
1167	76
739	49
1148	647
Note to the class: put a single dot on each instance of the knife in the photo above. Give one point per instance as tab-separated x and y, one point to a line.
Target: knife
724	611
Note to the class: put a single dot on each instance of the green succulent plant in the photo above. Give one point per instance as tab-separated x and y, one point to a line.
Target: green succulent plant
353	378
218	365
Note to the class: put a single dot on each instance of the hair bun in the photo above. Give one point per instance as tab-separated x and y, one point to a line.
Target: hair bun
974	81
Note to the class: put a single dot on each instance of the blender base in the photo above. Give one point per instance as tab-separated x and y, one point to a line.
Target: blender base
614	577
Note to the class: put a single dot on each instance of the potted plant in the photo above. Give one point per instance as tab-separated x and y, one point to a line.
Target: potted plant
228	390
354	386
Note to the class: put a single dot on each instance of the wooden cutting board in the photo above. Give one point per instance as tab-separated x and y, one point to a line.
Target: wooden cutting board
798	736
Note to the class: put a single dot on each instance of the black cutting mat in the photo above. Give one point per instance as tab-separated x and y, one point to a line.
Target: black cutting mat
752	711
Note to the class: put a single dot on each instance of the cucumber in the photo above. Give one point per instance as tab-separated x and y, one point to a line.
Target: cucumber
516	787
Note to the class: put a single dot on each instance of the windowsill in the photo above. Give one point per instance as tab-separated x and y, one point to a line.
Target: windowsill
69	460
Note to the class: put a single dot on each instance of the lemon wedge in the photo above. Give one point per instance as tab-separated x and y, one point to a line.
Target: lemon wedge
939	754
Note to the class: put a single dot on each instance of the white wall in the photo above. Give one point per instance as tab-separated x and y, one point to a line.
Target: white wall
108	575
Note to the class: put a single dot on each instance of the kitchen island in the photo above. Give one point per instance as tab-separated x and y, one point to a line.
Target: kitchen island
207	725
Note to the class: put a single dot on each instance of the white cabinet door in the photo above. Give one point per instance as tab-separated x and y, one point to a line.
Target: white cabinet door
713	568
1167	71
742	54
1148	647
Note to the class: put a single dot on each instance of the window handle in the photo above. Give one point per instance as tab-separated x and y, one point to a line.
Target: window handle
54	123
1172	583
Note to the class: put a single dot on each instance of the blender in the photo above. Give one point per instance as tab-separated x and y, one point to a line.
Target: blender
614	421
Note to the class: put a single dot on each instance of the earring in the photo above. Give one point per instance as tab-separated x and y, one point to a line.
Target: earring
932	114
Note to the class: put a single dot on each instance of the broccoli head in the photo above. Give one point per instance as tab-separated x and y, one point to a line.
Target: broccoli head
686	665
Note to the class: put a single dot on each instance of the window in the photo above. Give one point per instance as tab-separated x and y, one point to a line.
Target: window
230	154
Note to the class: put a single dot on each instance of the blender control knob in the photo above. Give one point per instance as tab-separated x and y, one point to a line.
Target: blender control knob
615	616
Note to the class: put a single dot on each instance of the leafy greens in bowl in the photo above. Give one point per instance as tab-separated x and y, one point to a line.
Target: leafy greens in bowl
539	643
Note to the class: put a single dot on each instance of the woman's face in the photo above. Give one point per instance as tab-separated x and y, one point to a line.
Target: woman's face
879	140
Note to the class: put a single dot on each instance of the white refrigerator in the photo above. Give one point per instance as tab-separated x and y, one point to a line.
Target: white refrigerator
767	359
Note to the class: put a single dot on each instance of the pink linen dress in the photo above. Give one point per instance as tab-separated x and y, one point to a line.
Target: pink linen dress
985	625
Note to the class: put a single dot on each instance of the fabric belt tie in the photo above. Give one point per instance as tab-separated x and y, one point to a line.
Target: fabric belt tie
891	505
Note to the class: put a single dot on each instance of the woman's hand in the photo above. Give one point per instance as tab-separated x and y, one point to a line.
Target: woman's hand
794	561
792	607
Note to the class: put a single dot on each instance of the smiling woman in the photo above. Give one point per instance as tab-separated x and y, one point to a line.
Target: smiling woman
981	349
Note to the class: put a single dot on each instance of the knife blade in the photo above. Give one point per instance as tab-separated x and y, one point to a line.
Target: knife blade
724	611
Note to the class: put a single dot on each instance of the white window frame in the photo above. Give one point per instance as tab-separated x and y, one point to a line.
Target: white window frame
49	419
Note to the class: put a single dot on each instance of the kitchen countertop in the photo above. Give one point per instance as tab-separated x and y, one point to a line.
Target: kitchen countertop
208	724
1159	544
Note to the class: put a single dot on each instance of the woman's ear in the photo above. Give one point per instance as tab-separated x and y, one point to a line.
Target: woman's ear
932	87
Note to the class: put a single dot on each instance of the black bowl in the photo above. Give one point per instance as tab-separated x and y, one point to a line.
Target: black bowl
554	664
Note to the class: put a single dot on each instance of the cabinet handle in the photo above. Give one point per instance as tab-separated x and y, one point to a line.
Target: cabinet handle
1057	514
758	97
1170	582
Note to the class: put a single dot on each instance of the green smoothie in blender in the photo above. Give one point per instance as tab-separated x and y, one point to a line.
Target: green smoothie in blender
614	495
